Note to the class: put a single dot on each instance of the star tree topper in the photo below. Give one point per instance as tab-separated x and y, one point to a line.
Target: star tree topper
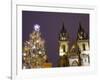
37	27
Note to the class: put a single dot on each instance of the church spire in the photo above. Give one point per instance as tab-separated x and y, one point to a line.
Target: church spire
63	30
80	28
81	35
63	33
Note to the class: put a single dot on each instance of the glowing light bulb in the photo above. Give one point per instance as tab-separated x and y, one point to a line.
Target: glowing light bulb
24	54
33	47
37	41
40	52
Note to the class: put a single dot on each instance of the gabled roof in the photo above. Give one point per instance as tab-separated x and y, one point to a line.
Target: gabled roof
74	50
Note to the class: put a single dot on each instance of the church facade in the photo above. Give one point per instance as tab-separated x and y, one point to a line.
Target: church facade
78	53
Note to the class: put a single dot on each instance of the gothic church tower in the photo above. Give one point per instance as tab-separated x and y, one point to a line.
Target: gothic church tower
83	43
63	47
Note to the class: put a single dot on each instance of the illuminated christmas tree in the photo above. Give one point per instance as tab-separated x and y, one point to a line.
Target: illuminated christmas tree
34	52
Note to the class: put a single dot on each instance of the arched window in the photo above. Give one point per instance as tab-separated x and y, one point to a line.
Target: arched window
63	46
84	47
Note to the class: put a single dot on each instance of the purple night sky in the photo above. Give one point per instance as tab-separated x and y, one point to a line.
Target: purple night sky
50	26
